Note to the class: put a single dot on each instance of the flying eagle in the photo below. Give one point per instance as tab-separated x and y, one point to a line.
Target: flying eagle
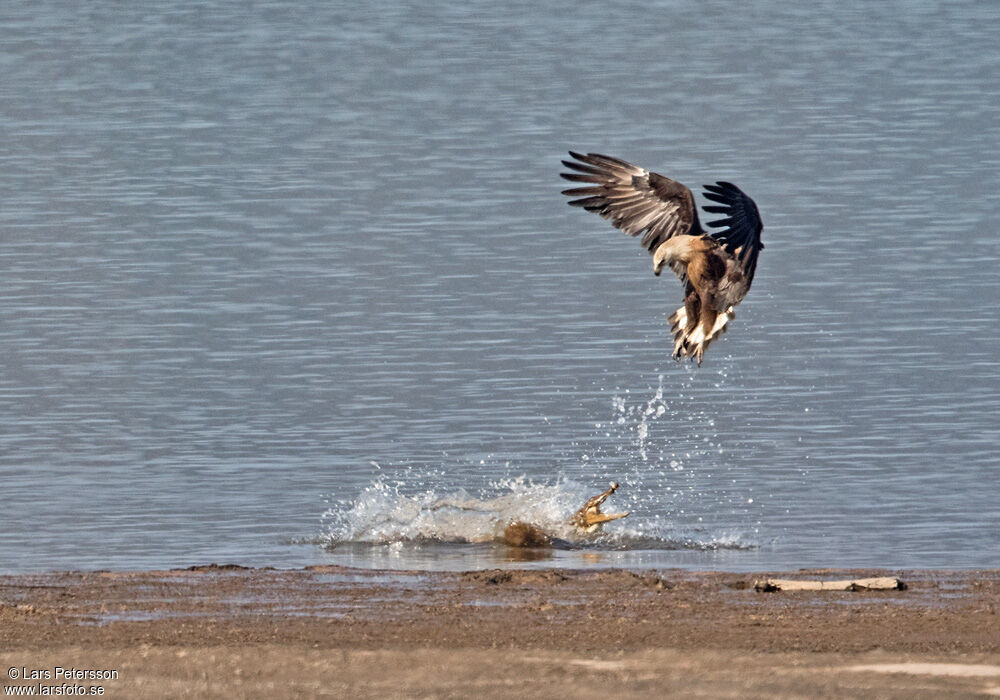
716	268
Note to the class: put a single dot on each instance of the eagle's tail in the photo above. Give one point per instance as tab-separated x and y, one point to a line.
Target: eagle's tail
694	342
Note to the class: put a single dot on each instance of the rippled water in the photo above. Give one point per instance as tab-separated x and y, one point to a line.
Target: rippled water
250	249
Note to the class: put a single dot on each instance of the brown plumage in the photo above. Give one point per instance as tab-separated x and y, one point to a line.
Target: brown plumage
716	268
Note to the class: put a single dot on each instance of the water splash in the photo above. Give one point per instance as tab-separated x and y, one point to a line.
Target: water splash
389	512
665	447
662	446
691	429
639	416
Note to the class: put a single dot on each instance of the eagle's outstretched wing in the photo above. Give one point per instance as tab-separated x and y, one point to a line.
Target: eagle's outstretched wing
633	199
722	263
741	236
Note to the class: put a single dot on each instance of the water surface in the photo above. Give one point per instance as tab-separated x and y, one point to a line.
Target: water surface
250	249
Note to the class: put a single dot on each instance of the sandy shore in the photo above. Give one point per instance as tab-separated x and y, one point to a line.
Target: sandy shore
210	632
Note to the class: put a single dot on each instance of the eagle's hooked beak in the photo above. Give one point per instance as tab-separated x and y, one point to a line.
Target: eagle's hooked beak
659	257
657	263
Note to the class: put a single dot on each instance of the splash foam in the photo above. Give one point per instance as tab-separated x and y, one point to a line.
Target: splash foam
387	513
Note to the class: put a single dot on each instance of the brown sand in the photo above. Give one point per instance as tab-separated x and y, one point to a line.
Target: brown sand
213	632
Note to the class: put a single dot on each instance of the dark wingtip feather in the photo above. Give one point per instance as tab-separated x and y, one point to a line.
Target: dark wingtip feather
581	168
581	191
611	159
589	203
586	177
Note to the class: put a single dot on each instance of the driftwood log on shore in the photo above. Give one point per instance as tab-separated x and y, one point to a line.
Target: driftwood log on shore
859	584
